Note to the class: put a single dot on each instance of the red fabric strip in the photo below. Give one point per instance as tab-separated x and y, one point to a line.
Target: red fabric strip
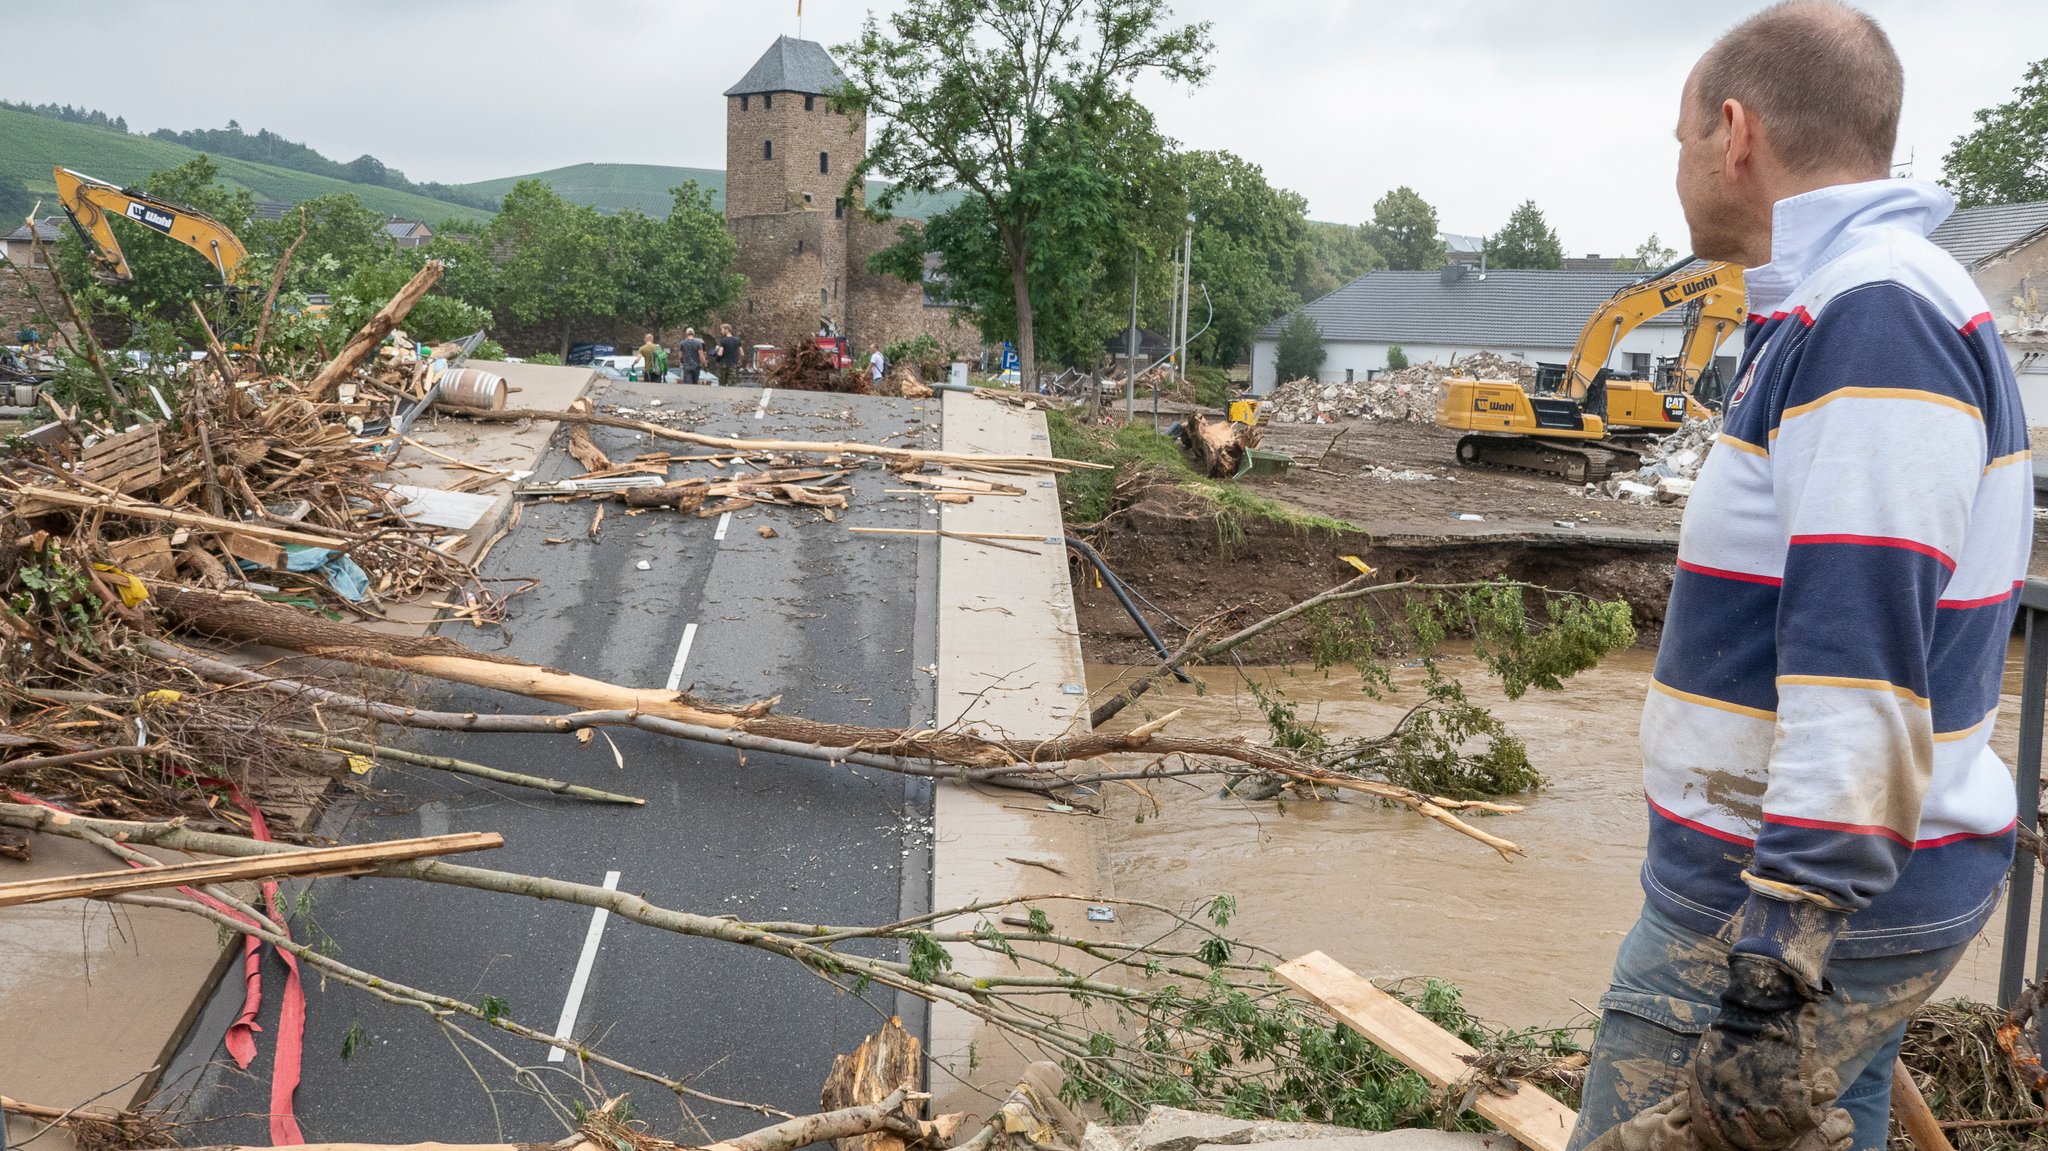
1703	829
1987	601
1723	573
1844	828
1976	321
1902	544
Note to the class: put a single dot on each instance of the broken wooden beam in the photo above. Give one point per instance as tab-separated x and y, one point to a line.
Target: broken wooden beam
136	509
1538	1120
352	859
374	331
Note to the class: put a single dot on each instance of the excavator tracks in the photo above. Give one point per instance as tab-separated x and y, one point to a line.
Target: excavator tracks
1580	463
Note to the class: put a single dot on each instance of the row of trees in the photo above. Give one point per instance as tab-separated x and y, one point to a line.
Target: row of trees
541	265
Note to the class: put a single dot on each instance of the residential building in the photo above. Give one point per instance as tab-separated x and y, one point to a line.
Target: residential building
18	308
407	233
1535	316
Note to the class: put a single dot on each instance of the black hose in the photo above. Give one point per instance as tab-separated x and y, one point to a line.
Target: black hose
1123	596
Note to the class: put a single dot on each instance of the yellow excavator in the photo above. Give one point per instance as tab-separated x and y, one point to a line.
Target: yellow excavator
1584	421
91	202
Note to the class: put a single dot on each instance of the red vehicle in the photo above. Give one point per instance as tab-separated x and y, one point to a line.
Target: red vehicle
840	350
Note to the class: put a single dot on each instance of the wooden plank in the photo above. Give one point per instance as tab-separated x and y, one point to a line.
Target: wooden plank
149	556
958	535
1529	1115
262	553
353	859
41	498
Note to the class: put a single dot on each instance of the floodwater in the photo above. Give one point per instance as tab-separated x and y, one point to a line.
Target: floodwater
1393	895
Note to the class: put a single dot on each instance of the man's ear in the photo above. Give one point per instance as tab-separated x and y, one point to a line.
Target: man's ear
1739	147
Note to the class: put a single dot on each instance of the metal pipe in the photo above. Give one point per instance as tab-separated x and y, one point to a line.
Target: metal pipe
1123	596
2033	710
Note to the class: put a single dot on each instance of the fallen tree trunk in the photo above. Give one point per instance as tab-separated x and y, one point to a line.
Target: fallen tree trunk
374	331
353	859
582	448
1033	765
1221	445
969	460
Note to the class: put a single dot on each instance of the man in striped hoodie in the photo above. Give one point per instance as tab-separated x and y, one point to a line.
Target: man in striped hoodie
1828	825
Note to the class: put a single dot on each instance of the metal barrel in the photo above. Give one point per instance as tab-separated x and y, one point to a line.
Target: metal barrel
474	388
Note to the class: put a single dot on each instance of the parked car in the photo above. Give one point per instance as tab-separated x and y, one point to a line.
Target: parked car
624	368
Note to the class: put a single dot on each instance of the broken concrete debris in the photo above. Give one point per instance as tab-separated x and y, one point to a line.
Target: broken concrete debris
1408	394
1668	471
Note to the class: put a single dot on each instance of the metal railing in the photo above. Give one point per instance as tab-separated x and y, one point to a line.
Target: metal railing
2019	897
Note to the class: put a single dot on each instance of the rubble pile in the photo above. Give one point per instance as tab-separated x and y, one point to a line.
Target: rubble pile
1409	394
811	368
1668	470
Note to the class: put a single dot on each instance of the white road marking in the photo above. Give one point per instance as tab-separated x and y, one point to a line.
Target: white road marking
675	674
724	522
581	980
762	411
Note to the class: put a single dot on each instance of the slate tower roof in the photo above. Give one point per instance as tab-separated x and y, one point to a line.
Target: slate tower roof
791	65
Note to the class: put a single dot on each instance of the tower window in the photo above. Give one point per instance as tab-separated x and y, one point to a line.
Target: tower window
750	307
838	207
799	247
768	100
743	103
824	163
824	301
767	149
807	102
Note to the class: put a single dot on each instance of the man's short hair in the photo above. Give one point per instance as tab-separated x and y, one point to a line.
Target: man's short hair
1822	77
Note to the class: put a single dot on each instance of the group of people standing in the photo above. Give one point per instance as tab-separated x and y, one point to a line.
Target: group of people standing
693	356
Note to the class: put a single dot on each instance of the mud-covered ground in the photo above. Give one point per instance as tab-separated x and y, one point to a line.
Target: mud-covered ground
1344	484
1399	484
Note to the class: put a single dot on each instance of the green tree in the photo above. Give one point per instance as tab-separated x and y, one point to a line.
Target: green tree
1651	255
2004	159
968	92
1396	358
1332	256
1301	354
342	238
1526	241
1103	191
554	261
1404	231
678	269
1251	246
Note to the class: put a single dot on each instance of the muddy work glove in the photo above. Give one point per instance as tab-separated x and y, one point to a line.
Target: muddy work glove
1753	1076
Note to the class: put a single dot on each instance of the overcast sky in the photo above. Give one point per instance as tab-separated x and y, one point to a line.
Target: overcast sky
1477	104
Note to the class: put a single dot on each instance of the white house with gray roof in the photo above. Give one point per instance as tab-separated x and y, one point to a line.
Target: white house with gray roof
1536	316
1450	313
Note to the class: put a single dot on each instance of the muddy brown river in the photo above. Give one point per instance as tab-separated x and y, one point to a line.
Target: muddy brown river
1393	895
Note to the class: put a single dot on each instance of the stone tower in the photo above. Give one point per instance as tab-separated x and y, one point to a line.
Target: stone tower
785	148
802	246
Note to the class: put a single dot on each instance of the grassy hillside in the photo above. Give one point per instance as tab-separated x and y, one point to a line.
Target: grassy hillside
31	145
611	187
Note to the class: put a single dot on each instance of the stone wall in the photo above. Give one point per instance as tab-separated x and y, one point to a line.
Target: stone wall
886	309
760	185
794	263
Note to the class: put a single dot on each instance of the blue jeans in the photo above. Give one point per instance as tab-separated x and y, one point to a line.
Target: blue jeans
1667	989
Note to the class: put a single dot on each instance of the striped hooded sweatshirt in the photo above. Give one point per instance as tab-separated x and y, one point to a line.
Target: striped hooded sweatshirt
1848	572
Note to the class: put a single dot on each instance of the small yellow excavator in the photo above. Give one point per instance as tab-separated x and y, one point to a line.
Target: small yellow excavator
90	202
1584	421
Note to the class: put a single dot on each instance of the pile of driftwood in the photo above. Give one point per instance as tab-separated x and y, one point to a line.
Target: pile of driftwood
810	368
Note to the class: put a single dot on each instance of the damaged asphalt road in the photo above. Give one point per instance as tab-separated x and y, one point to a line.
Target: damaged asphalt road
838	624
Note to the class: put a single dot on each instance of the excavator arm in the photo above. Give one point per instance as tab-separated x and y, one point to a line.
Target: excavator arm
1717	288
91	203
